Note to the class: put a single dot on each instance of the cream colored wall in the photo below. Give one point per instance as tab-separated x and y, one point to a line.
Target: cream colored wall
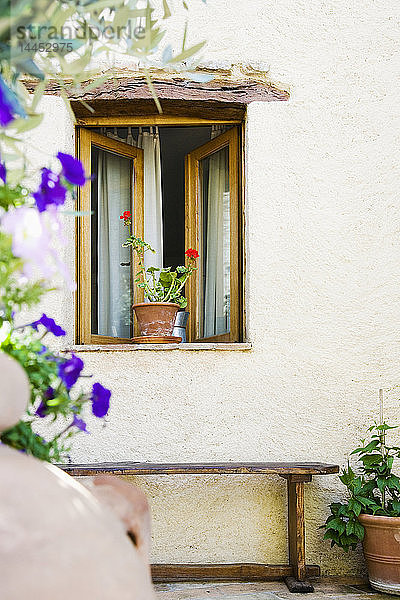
322	290
54	134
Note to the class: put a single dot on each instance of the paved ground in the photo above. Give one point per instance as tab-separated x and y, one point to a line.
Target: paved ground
325	589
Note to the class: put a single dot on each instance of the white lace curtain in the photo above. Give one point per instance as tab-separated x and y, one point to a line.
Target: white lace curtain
114	197
216	307
114	288
149	141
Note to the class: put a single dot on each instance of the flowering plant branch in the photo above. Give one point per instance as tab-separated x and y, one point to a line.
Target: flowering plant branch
168	286
27	259
53	399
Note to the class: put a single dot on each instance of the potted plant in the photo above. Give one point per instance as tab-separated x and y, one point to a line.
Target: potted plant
163	289
371	512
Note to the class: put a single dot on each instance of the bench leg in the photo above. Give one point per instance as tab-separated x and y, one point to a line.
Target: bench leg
296	531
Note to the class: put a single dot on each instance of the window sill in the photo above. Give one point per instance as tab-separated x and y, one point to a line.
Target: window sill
221	346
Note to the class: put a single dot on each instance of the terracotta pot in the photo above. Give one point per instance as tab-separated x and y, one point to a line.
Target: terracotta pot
382	552
156	318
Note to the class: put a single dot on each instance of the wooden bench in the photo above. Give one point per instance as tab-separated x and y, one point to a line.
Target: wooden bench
296	474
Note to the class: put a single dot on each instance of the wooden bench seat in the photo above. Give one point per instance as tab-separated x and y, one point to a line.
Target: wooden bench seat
296	474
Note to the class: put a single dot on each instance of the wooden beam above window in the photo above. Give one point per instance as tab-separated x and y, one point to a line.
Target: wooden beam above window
220	99
236	92
120	108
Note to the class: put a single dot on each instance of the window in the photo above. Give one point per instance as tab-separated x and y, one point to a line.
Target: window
212	226
181	183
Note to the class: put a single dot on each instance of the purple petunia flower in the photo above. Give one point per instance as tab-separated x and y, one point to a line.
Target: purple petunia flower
79	423
41	409
72	169
49	393
69	371
50	192
9	104
6	111
50	325
3	172
33	237
100	400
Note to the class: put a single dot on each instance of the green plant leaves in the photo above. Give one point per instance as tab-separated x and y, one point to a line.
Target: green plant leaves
168	287
372	489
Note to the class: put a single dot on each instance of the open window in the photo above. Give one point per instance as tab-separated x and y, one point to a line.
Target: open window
106	268
212	226
182	185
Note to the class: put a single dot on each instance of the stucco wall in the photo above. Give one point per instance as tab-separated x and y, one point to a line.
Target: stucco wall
322	289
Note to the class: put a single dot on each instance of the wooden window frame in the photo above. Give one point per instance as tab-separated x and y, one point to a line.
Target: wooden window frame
84	254
83	230
230	140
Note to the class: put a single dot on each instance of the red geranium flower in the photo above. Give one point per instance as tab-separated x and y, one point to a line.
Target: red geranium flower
126	216
191	253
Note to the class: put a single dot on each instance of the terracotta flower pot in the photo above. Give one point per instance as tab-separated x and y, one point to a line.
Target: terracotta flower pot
382	552
156	318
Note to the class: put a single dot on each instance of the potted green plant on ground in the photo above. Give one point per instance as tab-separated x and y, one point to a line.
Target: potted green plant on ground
371	512
163	289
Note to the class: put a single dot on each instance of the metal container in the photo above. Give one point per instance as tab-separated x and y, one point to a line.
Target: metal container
181	320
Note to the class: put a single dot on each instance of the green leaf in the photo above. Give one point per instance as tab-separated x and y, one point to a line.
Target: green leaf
95	83
28	66
182	302
153	91
385	427
365	501
347	476
357	485
22	125
123	14
343	511
188	53
371	459
359	530
332	535
355	506
381	483
393	482
167	12
165	279
337	524
37	95
371	446
350	527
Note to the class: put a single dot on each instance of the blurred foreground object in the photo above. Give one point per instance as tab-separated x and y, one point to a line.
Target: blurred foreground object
57	539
